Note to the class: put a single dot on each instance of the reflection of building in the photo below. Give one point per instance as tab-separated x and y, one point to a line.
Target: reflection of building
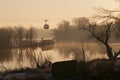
47	47
46	42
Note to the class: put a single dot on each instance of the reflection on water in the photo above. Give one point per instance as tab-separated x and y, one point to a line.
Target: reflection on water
29	57
5	55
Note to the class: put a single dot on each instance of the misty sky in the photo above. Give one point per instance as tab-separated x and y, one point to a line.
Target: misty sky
34	12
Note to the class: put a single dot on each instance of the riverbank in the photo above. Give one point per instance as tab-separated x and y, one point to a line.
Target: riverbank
99	69
27	74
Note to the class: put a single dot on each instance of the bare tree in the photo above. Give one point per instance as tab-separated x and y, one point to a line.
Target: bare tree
106	15
103	34
80	22
110	25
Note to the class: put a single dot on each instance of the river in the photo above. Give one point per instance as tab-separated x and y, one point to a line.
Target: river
17	58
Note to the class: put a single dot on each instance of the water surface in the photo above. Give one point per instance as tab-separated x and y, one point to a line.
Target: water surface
17	58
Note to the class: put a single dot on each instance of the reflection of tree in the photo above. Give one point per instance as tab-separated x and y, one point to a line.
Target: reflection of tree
5	55
31	57
80	51
68	50
34	58
37	59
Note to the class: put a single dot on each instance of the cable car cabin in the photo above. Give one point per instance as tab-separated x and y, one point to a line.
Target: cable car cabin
46	26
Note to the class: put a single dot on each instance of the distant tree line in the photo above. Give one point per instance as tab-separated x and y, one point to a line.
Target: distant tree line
67	31
17	36
75	31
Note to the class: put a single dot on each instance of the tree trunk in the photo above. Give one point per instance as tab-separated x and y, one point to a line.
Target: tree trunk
109	51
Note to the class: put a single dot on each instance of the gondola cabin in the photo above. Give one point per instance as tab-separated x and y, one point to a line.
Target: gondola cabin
46	26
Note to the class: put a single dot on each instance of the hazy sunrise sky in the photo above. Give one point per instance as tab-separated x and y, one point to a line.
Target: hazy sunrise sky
34	12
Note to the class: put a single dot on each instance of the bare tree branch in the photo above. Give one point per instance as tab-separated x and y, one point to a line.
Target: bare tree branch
108	32
91	29
116	53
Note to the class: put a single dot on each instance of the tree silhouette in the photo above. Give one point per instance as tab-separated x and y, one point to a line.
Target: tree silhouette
103	34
